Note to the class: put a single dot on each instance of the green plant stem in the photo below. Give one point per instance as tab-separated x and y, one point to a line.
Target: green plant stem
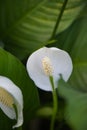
58	19
55	103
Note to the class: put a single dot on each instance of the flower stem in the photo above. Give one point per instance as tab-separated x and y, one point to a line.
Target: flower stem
58	19
55	104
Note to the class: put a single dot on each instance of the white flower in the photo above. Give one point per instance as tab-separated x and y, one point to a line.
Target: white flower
10	96
47	62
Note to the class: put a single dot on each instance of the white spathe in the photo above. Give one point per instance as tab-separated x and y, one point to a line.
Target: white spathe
16	94
60	61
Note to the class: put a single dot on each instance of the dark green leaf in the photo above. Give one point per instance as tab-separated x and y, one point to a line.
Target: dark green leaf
26	25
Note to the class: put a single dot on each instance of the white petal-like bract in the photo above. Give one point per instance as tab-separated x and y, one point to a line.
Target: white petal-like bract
54	58
11	95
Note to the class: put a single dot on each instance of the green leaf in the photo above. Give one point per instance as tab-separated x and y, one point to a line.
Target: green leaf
27	25
12	68
76	106
74	40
